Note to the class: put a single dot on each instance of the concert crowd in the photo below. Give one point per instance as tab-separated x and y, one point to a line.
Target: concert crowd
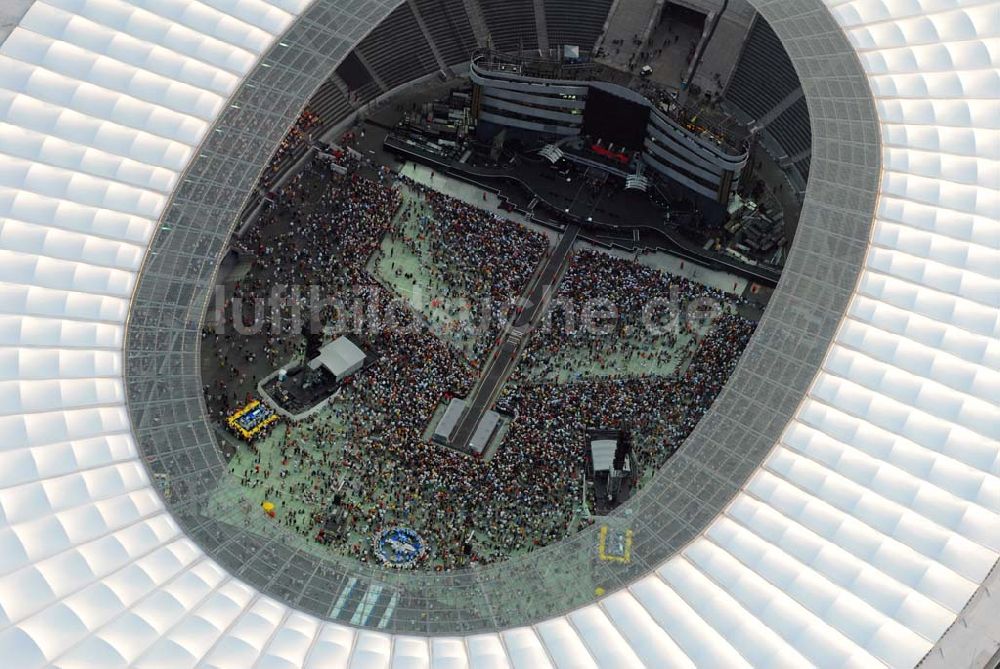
297	136
480	260
365	464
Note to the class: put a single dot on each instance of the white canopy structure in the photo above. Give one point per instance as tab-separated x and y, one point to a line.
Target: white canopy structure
452	413
602	453
341	357
860	541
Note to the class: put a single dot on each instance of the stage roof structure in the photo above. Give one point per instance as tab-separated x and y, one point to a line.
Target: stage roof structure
860	524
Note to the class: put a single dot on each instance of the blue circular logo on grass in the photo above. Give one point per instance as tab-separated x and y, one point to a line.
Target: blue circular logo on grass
399	547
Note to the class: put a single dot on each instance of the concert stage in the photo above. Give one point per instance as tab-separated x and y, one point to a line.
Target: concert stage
611	216
298	390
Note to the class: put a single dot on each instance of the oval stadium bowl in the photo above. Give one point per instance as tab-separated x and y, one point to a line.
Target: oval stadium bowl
839	504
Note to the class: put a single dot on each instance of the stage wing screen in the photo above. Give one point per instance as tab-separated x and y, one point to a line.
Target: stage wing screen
615	120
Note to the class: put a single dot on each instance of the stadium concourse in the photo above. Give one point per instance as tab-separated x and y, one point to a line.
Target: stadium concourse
837	505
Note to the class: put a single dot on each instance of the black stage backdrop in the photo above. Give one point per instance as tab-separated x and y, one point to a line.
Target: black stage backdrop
615	120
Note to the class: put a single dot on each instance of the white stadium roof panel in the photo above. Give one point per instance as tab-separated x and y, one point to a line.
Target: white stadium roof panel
524	650
487	651
858	541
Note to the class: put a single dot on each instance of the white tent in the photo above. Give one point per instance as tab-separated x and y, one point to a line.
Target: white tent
484	432
448	422
341	357
602	454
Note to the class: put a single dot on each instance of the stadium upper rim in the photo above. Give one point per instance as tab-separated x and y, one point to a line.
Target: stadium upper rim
690	490
869	518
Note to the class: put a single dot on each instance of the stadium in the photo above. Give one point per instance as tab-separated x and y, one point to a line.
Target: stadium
499	333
